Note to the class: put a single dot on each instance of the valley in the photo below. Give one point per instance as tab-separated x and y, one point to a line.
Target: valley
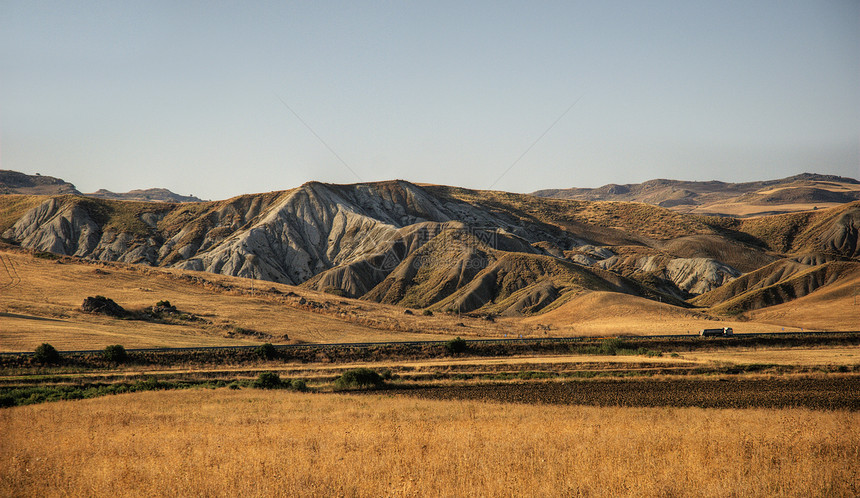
443	250
465	308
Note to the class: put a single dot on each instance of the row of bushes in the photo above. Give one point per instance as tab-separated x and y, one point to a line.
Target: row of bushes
271	380
28	395
48	355
615	347
356	378
270	352
360	378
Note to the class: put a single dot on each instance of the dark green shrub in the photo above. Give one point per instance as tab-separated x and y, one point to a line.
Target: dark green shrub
358	378
45	353
455	346
608	347
267	351
611	346
163	304
115	353
427	313
299	385
268	380
386	374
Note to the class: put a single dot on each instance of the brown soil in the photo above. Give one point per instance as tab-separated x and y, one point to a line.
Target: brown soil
831	393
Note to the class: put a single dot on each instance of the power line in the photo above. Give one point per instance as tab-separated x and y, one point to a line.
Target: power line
318	137
536	141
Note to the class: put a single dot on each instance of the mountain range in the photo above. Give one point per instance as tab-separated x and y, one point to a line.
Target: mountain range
444	248
795	193
14	182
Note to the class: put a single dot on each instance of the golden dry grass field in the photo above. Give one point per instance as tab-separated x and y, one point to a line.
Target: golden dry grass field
848	355
740	208
835	307
43	305
262	443
612	313
40	302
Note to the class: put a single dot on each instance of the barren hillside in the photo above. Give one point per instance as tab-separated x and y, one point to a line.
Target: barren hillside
448	249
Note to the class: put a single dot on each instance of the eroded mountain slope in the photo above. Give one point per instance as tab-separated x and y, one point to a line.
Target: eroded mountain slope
441	247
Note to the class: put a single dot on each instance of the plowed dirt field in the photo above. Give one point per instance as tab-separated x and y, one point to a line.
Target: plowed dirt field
842	392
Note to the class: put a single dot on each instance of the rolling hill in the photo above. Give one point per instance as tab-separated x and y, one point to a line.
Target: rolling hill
453	250
797	193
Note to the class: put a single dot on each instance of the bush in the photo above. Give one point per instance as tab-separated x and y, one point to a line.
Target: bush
267	351
427	313
611	346
268	380
45	353
455	346
358	378
299	385
163	304
115	353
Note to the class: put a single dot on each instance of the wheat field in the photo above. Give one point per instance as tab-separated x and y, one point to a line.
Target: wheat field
260	443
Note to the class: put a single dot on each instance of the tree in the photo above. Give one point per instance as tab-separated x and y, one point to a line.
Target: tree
46	354
268	380
457	345
267	351
358	378
115	353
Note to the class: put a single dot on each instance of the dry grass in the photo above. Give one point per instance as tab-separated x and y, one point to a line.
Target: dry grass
253	443
848	355
834	307
612	313
44	307
14	206
744	210
632	217
757	208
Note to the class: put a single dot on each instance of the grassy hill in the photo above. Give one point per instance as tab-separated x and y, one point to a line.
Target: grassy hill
41	303
802	192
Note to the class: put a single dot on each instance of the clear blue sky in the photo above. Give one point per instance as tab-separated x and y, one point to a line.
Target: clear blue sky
188	95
